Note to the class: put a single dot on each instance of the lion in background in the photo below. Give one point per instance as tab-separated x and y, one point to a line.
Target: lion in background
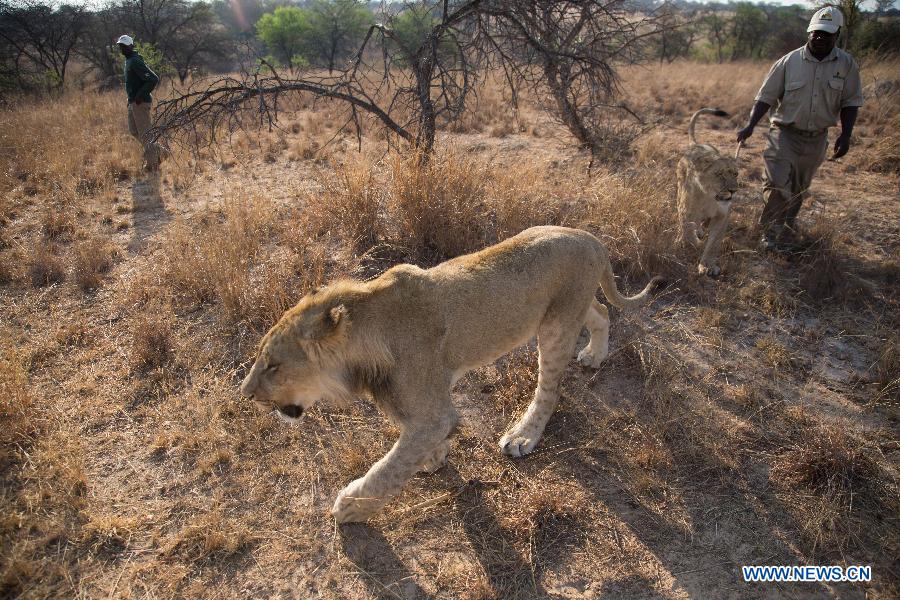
405	337
706	185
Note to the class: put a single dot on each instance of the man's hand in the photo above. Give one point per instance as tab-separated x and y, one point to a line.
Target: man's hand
841	146
744	133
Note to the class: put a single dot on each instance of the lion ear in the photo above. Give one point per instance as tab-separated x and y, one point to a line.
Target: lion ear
325	324
337	314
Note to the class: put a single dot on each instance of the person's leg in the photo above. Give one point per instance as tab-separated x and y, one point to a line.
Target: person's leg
808	162
141	115
777	184
132	127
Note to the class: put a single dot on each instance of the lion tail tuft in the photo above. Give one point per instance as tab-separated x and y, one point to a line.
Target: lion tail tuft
716	112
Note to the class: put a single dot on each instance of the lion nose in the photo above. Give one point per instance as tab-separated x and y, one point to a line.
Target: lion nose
292	410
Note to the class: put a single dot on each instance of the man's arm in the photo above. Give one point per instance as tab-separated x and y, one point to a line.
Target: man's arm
759	109
848	119
148	77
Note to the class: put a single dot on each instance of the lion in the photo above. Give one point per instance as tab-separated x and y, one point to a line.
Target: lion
404	338
707	182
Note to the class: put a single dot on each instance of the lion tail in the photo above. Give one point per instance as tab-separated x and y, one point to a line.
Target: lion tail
703	111
608	285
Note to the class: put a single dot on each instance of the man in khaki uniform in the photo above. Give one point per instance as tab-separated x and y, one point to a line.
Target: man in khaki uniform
139	83
811	88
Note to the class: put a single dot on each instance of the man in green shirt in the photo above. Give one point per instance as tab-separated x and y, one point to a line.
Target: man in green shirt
139	83
811	88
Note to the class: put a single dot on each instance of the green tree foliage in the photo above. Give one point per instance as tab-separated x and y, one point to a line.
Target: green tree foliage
716	26
153	58
677	34
337	28
285	32
881	38
749	28
411	30
786	30
37	42
187	33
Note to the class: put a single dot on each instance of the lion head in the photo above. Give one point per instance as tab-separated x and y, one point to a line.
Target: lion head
298	362
722	176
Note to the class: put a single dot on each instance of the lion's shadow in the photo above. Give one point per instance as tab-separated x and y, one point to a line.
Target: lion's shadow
380	569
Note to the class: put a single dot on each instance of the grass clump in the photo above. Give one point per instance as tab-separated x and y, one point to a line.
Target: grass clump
91	260
439	205
152	344
45	266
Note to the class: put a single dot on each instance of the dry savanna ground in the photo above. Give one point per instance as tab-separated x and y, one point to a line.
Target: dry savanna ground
750	420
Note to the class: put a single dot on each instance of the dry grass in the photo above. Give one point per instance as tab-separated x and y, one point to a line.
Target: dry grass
210	259
887	369
731	424
94	152
45	266
91	260
152	345
16	402
439	205
839	484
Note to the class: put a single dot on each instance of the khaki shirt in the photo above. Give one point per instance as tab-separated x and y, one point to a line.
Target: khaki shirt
809	94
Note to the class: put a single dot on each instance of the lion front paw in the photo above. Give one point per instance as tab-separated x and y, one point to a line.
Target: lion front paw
591	358
516	445
354	505
437	459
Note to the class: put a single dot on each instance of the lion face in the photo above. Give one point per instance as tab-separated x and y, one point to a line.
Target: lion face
290	373
722	177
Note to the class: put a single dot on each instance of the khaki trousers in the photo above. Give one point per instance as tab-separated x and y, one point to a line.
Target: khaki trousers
791	158
139	123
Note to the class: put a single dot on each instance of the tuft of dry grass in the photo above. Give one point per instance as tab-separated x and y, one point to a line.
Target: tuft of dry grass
152	344
107	534
824	272
9	266
16	402
91	260
45	266
775	353
209	259
210	536
58	223
353	199
439	204
887	369
836	485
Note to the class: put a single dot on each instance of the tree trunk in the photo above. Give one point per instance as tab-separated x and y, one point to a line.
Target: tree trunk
557	82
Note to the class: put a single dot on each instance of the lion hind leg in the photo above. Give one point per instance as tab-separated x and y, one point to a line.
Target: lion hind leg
597	322
555	346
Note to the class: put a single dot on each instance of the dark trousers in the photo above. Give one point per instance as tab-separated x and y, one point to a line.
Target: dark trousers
791	158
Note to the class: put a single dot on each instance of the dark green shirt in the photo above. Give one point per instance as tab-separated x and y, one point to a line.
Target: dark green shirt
139	79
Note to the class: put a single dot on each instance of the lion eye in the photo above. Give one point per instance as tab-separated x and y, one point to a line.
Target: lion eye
270	369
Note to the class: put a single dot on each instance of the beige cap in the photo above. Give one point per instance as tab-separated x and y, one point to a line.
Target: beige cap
827	19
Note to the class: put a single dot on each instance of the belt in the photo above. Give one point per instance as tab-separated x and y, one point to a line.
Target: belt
801	132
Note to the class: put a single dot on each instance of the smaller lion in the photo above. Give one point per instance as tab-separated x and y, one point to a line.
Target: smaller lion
706	185
404	338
